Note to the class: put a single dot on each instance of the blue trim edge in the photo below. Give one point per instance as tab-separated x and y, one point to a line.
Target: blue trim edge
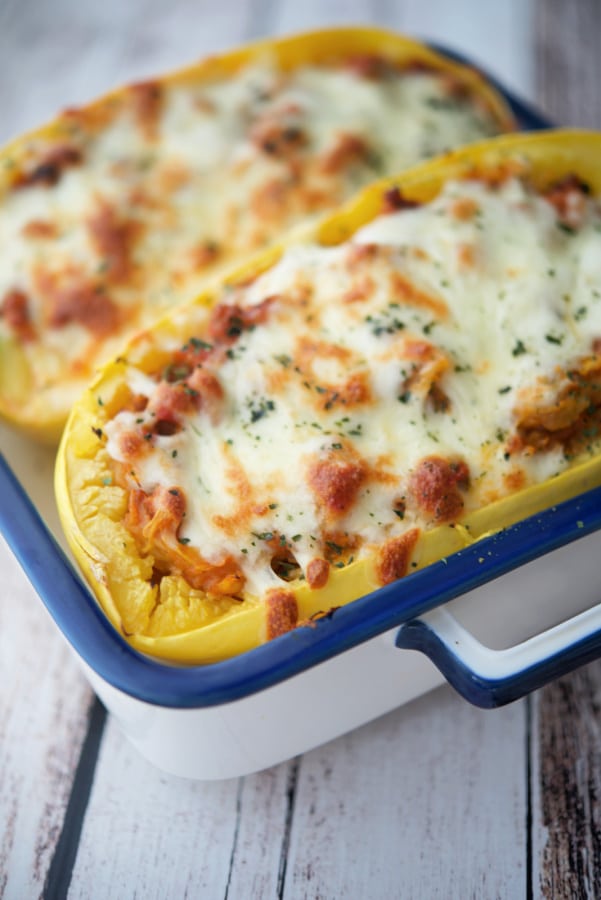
85	626
489	693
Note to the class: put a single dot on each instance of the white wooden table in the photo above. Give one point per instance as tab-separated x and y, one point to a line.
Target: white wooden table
436	799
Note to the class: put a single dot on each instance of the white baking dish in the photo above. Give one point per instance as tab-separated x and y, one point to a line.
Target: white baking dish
317	682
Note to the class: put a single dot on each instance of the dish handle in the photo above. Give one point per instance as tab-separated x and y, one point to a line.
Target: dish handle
489	678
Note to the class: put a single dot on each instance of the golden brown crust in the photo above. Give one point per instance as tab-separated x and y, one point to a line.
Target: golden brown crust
395	555
281	612
318	572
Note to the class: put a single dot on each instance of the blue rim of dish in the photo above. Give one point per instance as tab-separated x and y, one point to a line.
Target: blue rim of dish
488	693
87	629
84	625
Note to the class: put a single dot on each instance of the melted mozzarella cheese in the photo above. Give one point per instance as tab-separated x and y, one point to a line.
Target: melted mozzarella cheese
200	190
523	303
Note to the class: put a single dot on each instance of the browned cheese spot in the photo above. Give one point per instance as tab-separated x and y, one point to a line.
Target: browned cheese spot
568	196
147	99
405	292
335	482
70	297
114	239
49	169
281	612
318	572
347	151
395	555
15	311
435	486
39	229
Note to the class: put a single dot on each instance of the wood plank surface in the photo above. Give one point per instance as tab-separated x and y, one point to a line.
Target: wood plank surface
385	811
566	790
566	723
170	837
567	55
415	805
44	708
63	53
434	800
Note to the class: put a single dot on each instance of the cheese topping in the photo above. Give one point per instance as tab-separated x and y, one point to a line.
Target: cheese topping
124	213
351	397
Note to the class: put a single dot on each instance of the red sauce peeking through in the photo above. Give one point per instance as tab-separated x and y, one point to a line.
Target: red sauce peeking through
436	486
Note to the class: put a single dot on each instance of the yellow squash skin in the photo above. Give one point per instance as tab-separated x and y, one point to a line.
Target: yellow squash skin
91	508
24	406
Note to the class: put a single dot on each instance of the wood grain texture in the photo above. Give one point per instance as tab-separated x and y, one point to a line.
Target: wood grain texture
64	53
429	801
392	804
568	61
415	805
44	704
464	26
566	757
566	716
152	835
497	36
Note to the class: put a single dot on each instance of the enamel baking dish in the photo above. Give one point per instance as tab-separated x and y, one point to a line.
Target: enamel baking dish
315	683
497	620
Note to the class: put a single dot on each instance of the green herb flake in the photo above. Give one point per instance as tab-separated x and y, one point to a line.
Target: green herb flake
260	408
198	344
567	229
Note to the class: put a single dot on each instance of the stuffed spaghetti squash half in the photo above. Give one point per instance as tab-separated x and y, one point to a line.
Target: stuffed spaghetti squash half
121	209
419	370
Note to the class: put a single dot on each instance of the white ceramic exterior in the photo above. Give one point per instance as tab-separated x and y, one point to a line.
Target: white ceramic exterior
348	690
